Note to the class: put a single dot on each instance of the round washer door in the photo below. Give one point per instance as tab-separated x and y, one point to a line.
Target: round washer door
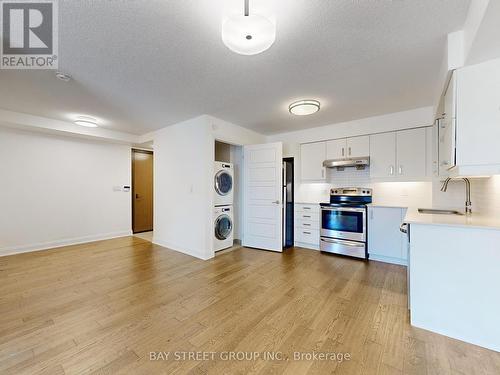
223	227
223	183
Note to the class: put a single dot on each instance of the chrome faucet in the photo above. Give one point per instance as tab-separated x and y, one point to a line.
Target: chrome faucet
468	203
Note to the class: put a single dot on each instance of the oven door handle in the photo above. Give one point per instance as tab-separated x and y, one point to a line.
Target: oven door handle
347	209
345	243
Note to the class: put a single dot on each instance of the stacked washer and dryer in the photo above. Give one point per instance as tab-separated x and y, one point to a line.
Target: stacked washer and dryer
223	200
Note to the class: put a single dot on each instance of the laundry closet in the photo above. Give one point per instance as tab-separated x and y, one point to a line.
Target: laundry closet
227	189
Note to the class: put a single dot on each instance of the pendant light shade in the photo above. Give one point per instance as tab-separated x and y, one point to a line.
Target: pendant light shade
248	34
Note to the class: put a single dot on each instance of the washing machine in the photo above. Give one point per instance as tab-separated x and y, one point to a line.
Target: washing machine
223	184
223	227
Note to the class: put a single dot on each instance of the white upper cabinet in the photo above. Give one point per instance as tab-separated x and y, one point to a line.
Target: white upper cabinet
354	147
336	149
478	116
411	154
399	155
312	156
358	146
383	155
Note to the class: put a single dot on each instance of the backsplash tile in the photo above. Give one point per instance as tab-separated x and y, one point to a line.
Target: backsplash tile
405	194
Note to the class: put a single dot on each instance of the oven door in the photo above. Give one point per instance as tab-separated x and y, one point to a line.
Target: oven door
347	223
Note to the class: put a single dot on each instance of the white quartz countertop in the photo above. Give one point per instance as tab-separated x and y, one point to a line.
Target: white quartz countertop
475	220
385	205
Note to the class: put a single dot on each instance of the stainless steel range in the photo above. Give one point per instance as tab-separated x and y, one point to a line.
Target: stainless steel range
343	222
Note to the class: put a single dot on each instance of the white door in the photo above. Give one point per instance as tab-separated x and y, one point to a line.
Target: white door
336	149
358	146
383	155
262	222
312	156
411	153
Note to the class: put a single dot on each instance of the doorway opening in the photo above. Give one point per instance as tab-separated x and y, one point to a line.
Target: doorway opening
288	202
142	192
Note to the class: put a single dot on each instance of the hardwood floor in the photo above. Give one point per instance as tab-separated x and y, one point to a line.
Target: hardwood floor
103	307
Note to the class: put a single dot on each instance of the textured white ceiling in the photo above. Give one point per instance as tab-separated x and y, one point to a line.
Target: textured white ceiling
141	65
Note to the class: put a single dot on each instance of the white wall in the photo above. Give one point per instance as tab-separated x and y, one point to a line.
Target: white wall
182	201
485	195
393	121
394	193
184	171
59	190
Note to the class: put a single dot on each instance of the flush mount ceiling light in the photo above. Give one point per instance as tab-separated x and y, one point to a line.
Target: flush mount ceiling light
304	107
248	34
86	121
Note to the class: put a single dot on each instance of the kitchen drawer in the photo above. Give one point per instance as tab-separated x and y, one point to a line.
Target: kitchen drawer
313	208
307	216
309	236
307	224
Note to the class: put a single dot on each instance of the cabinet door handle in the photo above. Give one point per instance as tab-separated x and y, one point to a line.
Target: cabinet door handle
306	224
343	151
306	216
306	208
391	170
306	232
400	169
349	151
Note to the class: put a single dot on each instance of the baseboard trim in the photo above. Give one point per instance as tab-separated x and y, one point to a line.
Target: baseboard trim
12	250
308	246
179	249
398	261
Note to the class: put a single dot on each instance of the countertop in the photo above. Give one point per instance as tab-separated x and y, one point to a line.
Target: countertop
475	220
385	205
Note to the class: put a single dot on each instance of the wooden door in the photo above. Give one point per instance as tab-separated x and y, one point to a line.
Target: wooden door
263	184
142	191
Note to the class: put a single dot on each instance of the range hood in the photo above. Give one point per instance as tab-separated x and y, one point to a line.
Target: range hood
359	163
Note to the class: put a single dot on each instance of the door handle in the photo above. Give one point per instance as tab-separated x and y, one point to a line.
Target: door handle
137	196
276	202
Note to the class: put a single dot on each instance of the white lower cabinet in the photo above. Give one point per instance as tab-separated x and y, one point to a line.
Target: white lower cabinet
307	225
385	242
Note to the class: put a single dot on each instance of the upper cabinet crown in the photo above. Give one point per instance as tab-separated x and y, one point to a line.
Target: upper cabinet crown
348	148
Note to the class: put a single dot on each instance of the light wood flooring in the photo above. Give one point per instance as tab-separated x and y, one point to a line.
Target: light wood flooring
103	307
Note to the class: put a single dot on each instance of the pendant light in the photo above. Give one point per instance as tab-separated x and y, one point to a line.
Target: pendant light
248	34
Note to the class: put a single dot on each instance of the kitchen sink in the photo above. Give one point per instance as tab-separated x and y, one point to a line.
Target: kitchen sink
439	212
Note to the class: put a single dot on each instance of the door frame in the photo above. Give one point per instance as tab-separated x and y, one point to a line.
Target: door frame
292	161
141	151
